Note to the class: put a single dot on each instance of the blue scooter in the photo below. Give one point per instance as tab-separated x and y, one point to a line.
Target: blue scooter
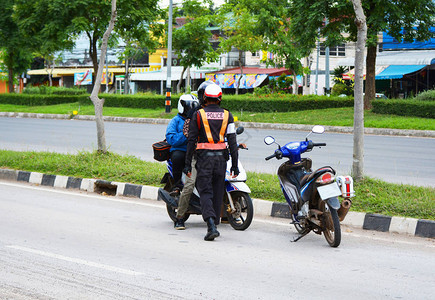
312	196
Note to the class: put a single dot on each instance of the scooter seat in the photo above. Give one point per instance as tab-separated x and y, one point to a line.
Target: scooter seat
308	177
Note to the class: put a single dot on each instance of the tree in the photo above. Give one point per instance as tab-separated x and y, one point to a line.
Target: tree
55	22
358	123
191	41
238	27
404	20
98	103
15	54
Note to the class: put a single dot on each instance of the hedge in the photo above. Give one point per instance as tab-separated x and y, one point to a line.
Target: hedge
278	103
267	103
241	102
37	99
414	108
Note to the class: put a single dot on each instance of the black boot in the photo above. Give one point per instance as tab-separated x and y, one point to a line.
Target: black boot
212	232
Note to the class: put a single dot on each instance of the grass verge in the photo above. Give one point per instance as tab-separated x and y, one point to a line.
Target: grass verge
373	196
331	117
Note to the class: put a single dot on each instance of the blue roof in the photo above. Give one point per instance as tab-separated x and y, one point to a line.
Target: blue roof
397	71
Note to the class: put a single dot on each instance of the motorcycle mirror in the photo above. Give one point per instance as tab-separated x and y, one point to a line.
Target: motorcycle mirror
240	130
269	140
318	129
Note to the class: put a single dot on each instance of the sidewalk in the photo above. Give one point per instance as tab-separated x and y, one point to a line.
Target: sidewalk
336	129
408	226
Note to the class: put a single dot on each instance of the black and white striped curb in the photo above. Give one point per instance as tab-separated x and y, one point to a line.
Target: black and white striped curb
409	226
338	129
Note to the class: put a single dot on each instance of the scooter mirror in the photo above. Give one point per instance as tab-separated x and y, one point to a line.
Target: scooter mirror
269	140
318	129
240	130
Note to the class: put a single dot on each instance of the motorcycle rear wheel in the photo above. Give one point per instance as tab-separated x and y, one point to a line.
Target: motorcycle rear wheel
242	217
331	224
172	212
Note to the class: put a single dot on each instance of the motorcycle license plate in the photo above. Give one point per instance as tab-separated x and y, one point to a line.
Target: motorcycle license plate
329	190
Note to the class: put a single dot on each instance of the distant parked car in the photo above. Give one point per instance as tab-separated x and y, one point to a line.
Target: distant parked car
380	96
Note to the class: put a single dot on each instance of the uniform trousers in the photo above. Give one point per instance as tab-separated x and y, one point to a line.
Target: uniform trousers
210	182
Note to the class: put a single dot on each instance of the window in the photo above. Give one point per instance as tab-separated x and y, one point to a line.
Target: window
255	54
339	50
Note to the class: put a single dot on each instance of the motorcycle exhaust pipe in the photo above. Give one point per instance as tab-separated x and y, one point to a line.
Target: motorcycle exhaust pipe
344	209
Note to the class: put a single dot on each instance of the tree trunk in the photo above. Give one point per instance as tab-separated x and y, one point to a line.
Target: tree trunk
370	77
180	81
358	123
98	103
10	65
295	84
93	53
126	82
241	72
188	88
10	79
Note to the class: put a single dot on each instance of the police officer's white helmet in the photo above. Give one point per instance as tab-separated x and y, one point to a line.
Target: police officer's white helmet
213	91
186	103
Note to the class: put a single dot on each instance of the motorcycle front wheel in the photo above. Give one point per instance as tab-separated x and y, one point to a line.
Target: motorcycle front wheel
241	218
331	225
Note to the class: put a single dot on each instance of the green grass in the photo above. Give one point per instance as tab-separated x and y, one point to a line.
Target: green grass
331	117
372	196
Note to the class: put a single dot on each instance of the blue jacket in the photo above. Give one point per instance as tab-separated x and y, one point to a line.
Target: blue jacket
174	134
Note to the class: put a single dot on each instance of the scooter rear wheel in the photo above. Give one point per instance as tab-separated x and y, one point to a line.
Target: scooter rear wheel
244	210
172	212
331	225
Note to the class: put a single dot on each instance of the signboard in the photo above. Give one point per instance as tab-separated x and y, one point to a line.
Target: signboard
83	78
103	80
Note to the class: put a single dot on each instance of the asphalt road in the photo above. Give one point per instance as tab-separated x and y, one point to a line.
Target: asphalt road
57	244
393	159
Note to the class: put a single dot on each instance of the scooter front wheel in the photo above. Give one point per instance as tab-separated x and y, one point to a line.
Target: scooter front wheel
172	212
241	217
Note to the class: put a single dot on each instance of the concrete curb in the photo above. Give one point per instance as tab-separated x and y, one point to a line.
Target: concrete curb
409	226
336	129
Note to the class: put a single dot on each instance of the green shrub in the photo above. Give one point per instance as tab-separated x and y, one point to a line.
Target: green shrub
402	107
341	88
426	96
53	90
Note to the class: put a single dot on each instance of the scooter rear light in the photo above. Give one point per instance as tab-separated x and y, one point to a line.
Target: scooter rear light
325	178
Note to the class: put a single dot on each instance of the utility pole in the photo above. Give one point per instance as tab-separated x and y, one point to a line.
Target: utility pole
169	62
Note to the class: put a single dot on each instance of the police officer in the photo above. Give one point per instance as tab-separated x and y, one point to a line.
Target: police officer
189	184
207	132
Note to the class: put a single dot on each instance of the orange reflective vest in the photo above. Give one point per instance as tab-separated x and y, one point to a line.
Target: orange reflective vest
211	145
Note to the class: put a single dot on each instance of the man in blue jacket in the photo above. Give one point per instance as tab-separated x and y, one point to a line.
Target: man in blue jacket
176	138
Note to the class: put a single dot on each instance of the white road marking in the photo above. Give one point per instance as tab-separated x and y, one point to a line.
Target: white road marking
76	260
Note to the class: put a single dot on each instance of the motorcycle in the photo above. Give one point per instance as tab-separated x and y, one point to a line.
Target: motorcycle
312	196
238	208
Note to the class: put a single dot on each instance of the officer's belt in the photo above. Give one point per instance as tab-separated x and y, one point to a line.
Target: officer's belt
214	153
211	146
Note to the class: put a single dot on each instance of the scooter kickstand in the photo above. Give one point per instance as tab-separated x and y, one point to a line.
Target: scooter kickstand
299	237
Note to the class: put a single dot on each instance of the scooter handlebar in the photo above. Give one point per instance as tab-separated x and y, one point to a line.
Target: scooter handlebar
277	154
319	144
270	156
